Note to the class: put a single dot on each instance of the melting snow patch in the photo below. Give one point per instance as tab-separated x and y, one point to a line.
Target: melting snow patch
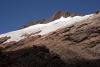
43	29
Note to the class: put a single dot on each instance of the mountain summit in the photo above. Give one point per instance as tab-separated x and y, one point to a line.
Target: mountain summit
66	41
60	13
44	29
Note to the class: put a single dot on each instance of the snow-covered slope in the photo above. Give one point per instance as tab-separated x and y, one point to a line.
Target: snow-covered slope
43	29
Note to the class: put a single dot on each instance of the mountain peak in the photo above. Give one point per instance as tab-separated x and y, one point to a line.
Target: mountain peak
44	29
60	13
75	41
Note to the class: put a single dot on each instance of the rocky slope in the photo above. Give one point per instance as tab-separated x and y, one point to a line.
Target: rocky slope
74	46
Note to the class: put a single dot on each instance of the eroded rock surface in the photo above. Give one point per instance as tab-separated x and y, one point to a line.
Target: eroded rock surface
77	44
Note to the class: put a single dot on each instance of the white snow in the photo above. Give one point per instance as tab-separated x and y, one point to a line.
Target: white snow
44	29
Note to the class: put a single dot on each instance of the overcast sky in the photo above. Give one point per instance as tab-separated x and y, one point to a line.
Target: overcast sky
14	13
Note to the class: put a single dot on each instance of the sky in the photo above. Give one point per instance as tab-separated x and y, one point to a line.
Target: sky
15	13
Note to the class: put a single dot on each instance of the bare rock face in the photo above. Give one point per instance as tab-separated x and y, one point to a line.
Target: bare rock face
77	43
77	46
31	57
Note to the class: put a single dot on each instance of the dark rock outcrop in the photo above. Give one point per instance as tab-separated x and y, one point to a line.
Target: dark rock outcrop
31	57
3	39
39	56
